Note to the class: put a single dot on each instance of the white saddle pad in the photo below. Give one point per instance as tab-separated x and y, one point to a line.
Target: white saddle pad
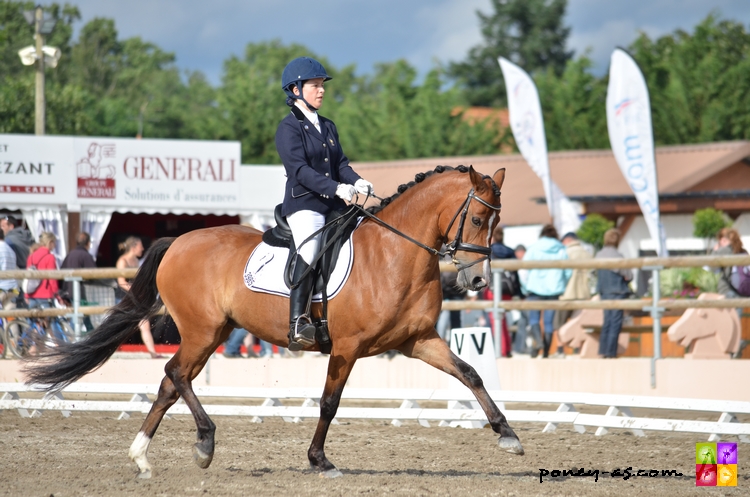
264	271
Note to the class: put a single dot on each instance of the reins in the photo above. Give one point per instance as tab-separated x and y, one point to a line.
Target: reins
457	245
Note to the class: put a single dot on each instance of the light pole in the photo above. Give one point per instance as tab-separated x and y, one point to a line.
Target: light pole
37	54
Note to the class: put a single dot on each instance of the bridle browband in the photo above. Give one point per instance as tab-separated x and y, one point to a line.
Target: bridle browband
457	245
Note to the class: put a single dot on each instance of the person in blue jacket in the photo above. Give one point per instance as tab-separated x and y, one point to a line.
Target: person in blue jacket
319	180
545	284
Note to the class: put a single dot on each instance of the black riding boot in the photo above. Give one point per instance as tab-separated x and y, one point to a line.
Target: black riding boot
301	328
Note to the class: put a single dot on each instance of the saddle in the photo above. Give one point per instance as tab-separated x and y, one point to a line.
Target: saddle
337	230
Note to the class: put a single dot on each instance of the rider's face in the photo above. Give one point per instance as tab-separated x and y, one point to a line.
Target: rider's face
312	91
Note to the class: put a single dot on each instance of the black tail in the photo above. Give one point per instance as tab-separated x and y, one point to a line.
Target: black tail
57	367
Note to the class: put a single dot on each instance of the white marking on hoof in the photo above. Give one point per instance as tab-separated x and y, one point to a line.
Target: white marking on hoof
512	445
137	453
202	459
144	475
331	473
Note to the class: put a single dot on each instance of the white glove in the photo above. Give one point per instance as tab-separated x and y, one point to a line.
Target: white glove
364	187
345	191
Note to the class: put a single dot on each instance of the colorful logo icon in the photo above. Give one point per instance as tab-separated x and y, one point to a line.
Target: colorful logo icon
716	464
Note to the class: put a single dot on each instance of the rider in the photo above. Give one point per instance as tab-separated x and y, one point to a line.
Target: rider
317	173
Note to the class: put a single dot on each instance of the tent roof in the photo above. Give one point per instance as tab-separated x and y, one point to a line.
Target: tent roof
703	167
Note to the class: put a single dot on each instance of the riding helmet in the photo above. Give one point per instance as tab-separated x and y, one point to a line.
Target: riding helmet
300	70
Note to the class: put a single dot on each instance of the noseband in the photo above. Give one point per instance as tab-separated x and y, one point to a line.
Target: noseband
457	245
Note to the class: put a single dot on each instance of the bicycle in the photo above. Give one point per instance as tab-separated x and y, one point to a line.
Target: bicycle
21	335
17	337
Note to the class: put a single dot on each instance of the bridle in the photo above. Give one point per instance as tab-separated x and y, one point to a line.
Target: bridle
457	245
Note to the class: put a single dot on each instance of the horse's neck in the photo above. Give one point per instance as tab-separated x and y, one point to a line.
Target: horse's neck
416	213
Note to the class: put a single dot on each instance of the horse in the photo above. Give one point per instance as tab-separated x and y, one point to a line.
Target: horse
391	301
710	333
576	333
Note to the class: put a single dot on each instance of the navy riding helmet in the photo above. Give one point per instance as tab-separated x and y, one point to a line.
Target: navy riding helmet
297	72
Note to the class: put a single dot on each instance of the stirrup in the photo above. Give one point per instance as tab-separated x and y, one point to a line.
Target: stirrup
302	335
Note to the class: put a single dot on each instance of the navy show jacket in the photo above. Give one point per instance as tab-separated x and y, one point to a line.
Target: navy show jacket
314	162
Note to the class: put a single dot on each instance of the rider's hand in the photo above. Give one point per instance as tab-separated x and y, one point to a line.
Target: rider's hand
364	187
346	191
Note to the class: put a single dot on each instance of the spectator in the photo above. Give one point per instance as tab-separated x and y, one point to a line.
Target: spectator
8	287
611	285
510	286
451	291
473	317
132	249
234	342
42	258
79	258
19	239
578	284
729	243
545	284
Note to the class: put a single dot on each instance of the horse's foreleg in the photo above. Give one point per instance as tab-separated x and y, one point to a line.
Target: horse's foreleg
139	449
339	368
435	352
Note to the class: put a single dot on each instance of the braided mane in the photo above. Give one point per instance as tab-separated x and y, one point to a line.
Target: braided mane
421	177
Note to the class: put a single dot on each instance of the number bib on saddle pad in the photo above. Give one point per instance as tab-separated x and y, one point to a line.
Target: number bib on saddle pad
264	271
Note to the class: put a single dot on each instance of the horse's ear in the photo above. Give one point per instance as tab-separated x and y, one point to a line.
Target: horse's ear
499	177
477	180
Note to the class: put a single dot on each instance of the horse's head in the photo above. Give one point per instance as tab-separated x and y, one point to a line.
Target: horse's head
470	229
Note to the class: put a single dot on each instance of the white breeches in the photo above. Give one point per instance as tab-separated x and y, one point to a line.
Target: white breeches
303	224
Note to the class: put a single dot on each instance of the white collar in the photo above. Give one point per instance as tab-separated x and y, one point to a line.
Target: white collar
311	116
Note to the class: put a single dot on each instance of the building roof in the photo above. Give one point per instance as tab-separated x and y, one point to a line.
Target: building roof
713	167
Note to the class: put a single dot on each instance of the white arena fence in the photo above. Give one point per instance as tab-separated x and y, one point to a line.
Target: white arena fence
277	402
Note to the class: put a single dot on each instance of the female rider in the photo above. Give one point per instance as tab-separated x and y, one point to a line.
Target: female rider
319	179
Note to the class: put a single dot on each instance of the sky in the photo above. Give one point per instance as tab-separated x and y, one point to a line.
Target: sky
204	33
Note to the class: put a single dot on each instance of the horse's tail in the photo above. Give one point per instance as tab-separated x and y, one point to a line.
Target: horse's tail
57	367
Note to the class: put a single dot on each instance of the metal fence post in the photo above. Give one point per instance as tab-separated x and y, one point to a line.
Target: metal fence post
656	313
496	311
76	316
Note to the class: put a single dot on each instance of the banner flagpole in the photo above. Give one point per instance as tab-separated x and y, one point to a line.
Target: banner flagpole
631	136
527	125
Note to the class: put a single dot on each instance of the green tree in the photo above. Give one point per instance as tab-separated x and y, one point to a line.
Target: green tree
573	105
529	33
699	82
592	229
708	222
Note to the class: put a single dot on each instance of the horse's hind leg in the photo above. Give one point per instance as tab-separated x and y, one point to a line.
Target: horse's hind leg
139	449
435	352
182	373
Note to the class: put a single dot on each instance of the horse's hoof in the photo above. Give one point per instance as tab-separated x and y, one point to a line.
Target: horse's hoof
331	473
144	475
202	459
509	444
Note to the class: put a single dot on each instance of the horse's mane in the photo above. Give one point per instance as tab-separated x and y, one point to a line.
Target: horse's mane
421	177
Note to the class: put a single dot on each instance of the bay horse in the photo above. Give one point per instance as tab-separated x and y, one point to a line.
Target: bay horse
392	300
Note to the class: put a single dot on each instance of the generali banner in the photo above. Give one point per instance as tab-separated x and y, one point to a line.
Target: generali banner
121	174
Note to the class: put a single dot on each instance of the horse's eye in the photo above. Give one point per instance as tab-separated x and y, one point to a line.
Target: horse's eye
476	221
